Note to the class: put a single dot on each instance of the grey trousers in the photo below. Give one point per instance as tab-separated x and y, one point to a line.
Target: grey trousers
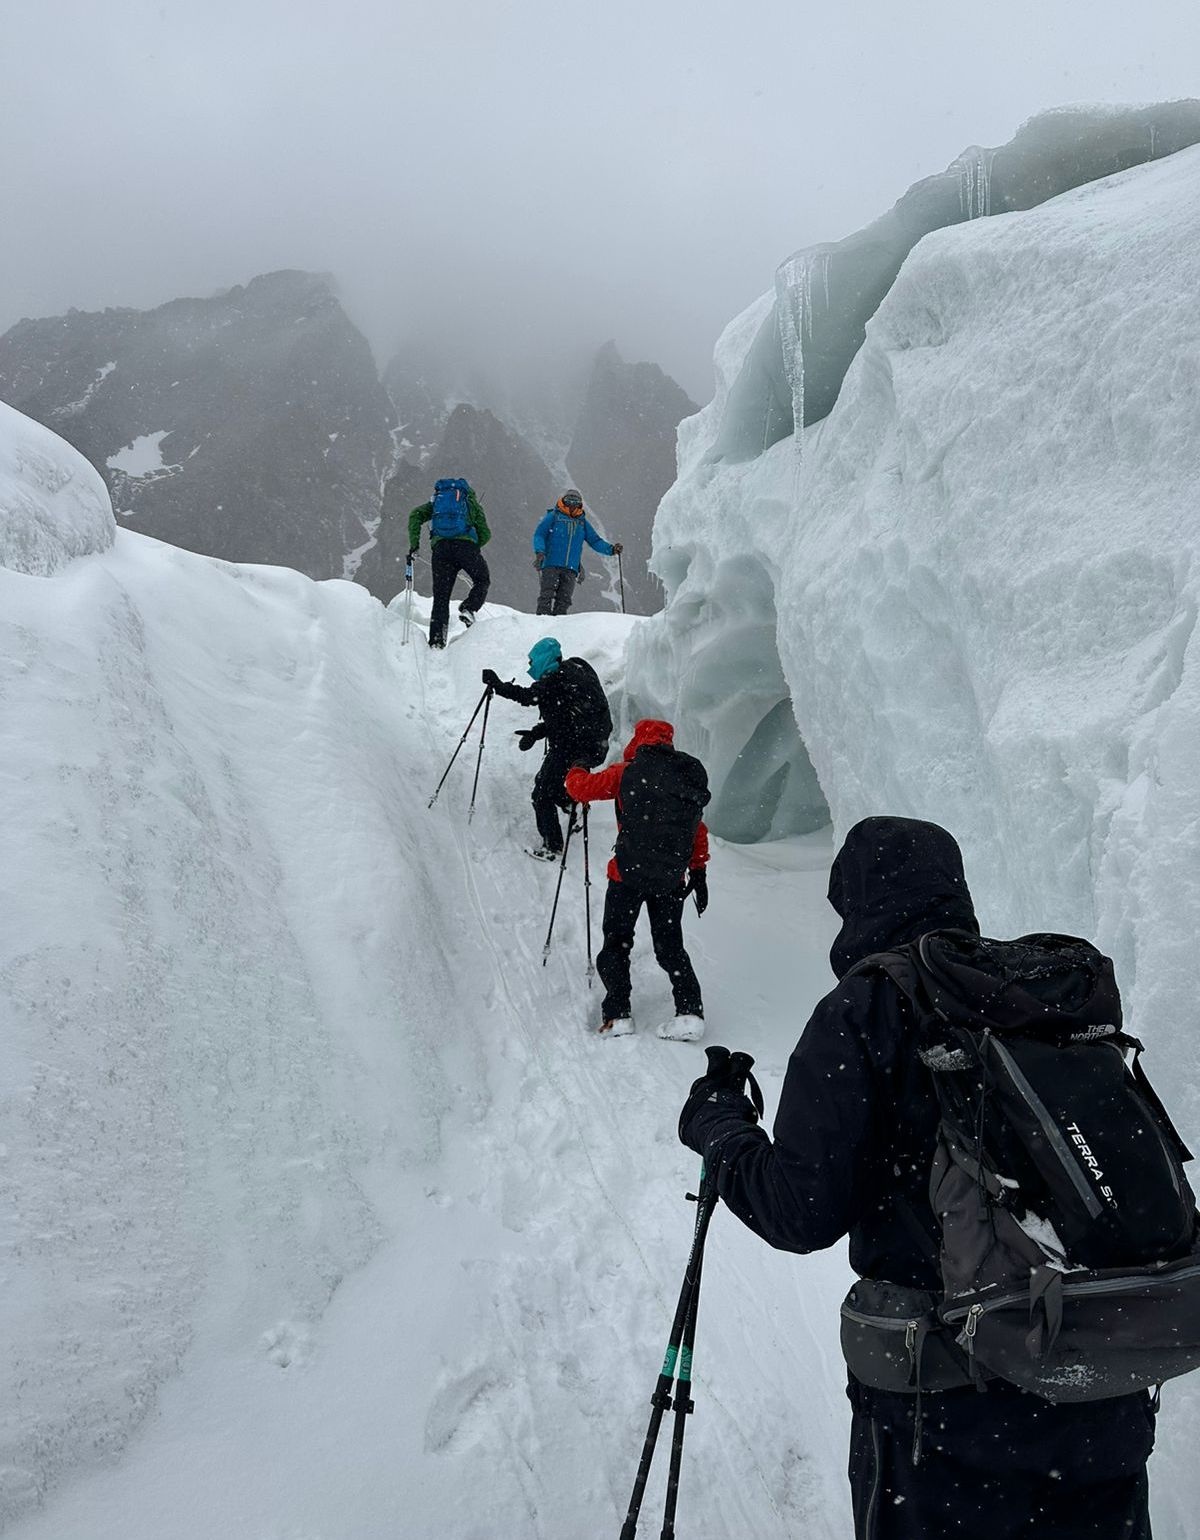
557	590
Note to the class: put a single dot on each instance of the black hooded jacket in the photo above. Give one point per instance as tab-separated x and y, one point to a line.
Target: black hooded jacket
852	1147
573	706
857	1118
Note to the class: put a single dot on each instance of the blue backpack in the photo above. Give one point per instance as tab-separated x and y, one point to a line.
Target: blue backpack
450	519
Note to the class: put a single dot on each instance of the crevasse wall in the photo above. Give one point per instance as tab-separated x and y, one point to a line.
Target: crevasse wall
713	653
986	586
726	529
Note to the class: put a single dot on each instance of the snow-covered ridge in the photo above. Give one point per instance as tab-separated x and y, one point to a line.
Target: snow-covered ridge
53	505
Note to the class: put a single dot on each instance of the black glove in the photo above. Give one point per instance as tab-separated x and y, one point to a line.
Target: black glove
581	574
538	560
526	738
412	553
697	883
490	677
617	548
720	1091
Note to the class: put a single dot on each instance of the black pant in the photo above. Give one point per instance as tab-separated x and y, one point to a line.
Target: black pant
622	905
1004	1466
450	557
549	795
557	590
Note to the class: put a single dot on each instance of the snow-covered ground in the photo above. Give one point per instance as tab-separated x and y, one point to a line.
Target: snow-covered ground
328	1218
144	456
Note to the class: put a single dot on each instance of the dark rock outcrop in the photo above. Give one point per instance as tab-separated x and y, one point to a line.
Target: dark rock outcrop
520	451
622	458
513	484
250	426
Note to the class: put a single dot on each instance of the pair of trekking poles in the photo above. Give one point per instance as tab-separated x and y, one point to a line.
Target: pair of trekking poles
485	704
673	1390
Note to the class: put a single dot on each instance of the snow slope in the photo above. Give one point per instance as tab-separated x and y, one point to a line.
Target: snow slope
53	506
326	1218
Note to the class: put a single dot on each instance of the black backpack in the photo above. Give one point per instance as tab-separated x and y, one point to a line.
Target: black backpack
1067	1232
663	793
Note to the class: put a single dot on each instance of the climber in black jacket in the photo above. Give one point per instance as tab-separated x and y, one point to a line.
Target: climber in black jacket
852	1147
575	722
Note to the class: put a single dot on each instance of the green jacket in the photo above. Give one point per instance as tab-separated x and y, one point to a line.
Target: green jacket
424	513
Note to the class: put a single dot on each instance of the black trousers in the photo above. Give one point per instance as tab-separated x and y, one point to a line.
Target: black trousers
1023	1470
549	795
450	557
622	905
557	590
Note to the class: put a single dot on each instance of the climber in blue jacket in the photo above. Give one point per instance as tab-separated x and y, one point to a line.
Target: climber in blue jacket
558	548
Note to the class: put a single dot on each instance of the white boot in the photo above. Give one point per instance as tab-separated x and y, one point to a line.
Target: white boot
683	1029
617	1026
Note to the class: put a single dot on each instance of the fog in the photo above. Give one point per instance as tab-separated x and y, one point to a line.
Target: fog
526	175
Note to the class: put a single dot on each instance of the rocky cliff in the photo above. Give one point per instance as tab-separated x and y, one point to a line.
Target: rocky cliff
250	426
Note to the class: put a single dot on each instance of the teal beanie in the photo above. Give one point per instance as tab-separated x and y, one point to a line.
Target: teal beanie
544	657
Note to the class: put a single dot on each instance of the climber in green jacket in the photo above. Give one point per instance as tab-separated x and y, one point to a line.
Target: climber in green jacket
457	530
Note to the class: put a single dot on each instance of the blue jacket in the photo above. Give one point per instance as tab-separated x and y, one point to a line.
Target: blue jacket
560	540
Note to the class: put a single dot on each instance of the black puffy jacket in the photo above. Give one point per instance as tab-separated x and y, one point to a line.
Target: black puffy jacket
857	1119
573	707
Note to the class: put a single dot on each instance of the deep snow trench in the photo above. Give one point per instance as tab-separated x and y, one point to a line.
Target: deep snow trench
331	1219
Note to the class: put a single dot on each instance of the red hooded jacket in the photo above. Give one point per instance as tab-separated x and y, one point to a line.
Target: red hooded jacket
605	786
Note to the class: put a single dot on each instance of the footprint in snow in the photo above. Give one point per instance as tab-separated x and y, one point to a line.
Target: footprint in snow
287	1345
460	1407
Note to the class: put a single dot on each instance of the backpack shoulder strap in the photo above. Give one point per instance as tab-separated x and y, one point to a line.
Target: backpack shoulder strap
1151	1095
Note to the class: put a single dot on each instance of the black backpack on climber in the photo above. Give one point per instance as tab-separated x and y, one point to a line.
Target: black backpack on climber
663	793
1067	1233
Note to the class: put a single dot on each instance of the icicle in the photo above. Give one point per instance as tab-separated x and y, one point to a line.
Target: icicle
794	286
791	285
975	182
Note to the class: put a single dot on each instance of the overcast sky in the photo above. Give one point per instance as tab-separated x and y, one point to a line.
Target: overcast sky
517	169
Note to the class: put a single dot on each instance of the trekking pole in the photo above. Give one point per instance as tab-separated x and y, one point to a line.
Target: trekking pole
621	579
677	1365
660	1401
558	888
587	898
408	600
461	741
684	1404
487	706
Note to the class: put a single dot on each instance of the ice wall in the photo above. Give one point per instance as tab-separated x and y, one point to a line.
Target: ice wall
987	613
53	505
785	359
985	575
825	295
710	661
